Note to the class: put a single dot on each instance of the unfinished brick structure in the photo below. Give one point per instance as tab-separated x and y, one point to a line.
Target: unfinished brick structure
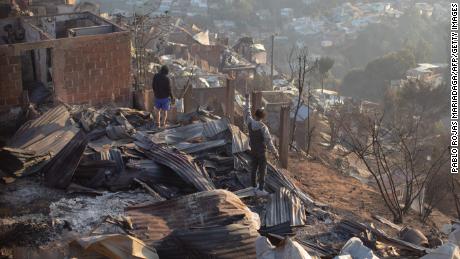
82	57
218	99
10	79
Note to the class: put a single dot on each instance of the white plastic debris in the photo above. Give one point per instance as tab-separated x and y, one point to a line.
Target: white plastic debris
264	249
355	248
454	236
255	219
447	251
446	229
290	250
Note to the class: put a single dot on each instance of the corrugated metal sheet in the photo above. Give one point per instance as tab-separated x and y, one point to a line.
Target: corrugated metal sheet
283	229
214	127
143	164
191	131
61	168
191	148
154	223
37	141
247	192
35	130
176	135
115	246
240	142
285	206
153	173
230	241
180	163
317	249
274	179
113	154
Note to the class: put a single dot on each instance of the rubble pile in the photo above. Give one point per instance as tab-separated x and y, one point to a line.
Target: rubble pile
188	73
178	192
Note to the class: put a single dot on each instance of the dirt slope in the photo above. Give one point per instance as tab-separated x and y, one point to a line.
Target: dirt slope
349	197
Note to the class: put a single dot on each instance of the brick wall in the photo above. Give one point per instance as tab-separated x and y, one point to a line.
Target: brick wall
10	78
93	70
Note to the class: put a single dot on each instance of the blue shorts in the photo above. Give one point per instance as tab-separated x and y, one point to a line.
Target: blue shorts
162	104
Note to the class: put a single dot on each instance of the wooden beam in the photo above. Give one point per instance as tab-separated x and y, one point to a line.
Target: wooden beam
188	100
256	101
284	136
230	100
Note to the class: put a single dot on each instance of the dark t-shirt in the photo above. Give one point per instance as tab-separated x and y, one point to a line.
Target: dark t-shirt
161	86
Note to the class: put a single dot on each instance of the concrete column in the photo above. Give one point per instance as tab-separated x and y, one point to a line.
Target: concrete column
172	114
284	135
188	100
148	99
256	101
230	100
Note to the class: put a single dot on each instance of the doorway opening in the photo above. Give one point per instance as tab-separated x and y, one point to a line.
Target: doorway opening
37	80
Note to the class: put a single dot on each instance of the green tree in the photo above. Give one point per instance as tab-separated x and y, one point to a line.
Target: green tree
422	50
353	84
371	83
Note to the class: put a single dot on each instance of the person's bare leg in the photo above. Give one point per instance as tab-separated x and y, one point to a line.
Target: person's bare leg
157	116
165	117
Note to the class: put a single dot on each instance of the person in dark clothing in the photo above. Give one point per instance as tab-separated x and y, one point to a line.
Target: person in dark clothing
161	85
259	140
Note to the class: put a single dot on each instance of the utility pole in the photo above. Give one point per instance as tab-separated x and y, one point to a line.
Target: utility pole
309	133
272	59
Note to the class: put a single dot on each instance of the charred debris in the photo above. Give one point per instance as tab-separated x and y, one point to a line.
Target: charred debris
119	187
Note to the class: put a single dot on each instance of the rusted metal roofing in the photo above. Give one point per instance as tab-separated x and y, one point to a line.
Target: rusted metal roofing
230	241
276	179
35	130
285	206
180	163
61	168
155	223
37	141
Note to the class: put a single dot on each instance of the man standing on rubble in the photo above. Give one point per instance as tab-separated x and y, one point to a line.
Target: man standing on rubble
259	140
163	95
